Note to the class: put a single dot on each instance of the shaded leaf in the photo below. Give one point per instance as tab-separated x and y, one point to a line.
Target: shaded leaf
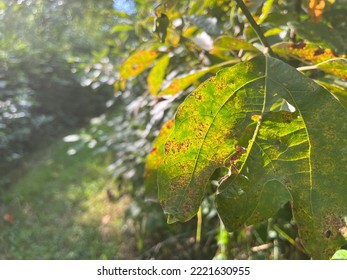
154	159
318	32
137	63
287	152
157	74
161	23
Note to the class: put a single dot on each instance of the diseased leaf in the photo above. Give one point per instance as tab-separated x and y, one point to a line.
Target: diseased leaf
306	52
325	59
157	74
336	66
181	83
277	132
137	63
227	43
154	159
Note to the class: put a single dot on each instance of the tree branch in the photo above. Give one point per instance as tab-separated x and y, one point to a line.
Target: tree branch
256	28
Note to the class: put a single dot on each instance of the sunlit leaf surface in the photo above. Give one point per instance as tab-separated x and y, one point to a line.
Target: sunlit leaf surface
283	138
137	63
157	74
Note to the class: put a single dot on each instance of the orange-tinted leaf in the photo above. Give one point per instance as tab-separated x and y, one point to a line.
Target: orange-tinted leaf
137	63
312	53
154	159
307	52
336	66
316	8
157	74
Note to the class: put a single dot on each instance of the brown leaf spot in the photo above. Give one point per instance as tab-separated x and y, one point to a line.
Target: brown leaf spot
333	226
299	45
8	218
319	52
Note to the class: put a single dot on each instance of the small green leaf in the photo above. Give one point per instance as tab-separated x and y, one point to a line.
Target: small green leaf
157	74
340	255
265	11
122	28
137	63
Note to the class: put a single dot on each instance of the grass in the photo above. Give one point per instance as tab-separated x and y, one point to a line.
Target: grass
59	209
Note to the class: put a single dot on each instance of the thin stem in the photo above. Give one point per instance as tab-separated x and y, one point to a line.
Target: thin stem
256	28
199	226
306	68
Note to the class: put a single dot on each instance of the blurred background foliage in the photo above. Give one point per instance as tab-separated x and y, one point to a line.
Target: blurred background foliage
117	71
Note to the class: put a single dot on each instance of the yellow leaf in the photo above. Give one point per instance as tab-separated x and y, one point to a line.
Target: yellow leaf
137	63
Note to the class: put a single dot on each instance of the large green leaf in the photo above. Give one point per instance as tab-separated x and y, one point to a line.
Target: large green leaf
282	136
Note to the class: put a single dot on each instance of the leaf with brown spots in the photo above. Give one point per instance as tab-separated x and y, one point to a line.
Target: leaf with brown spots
181	83
294	150
306	52
325	59
336	66
137	63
